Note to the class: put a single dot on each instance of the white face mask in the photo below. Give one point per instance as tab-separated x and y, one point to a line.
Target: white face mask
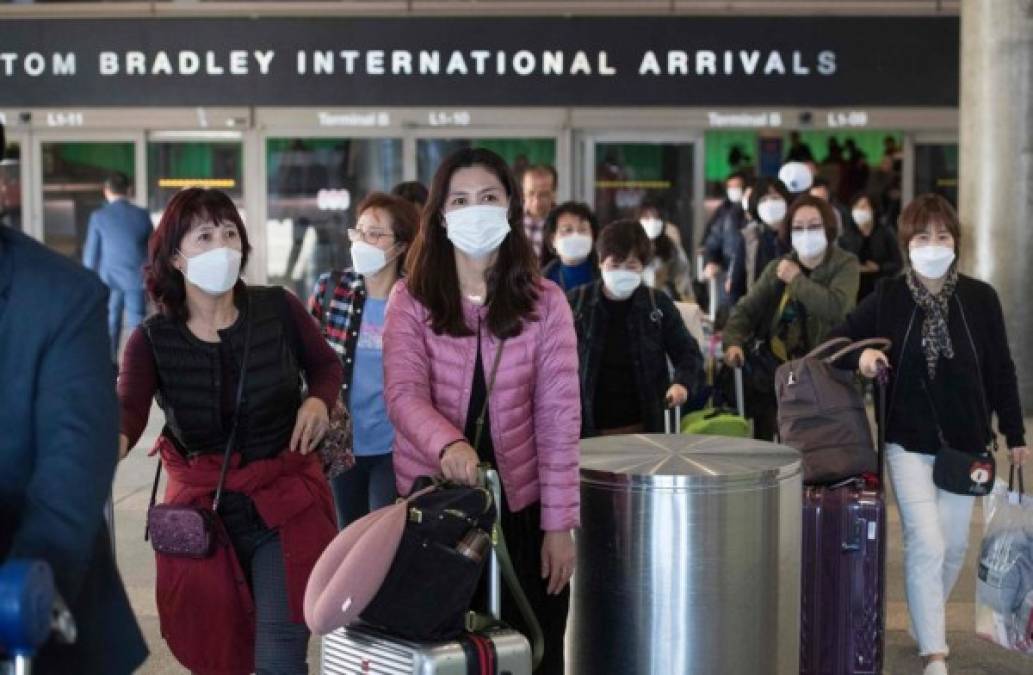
574	247
862	217
367	259
734	194
621	283
215	271
772	211
479	230
810	243
933	261
652	226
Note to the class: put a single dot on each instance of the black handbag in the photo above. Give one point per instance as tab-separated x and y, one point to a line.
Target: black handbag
431	582
958	471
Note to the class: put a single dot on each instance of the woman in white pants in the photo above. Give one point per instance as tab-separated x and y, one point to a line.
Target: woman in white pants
951	369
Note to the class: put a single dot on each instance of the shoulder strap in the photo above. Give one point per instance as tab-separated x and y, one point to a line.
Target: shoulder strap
487	395
233	427
979	372
655	315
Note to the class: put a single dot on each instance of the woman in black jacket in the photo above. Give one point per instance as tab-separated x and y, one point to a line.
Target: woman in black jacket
626	333
759	241
952	369
874	244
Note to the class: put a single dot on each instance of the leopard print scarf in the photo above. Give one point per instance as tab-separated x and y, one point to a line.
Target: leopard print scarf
936	339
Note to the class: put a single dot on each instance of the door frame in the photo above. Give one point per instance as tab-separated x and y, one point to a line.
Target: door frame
258	171
32	201
560	135
587	140
915	138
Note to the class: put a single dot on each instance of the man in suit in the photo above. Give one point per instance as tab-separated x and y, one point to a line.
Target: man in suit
59	448
116	248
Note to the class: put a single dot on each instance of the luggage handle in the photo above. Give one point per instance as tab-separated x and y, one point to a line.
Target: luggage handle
882	344
1011	480
826	346
501	567
672	420
712	300
740	398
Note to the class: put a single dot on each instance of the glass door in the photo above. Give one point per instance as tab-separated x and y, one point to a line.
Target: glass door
72	175
936	169
313	186
175	162
519	153
621	172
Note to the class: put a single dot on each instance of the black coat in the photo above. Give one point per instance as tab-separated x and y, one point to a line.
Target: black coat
769	247
883	249
652	341
955	391
59	447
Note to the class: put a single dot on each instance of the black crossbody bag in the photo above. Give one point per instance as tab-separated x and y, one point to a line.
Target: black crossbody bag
958	471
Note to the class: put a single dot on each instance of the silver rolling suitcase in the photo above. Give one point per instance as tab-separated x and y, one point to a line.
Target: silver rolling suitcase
494	650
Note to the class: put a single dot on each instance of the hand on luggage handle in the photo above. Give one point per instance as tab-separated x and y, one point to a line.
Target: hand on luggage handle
672	420
500	561
1011	480
712	300
740	397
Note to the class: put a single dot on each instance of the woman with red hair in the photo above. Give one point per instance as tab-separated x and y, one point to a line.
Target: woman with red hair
225	362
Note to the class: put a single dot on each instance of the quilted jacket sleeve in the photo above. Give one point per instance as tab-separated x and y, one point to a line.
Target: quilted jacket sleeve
557	412
407	386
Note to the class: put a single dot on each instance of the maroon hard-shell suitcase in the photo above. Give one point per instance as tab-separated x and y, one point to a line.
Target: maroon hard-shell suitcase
843	589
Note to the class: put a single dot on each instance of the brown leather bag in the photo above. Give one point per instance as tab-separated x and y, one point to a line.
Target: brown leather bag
821	413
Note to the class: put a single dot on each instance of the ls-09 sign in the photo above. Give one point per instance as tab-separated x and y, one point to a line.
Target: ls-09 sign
585	61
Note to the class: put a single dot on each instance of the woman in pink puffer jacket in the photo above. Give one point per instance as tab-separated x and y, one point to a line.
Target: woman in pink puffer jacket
474	334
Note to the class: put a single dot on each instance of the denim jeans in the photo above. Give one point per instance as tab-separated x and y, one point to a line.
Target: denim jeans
367	486
936	531
134	304
281	646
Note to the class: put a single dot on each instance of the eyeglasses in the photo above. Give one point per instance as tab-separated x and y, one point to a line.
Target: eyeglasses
373	238
807	227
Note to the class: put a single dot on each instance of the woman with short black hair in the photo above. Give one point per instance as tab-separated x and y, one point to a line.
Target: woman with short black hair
874	244
951	369
568	257
761	239
627	331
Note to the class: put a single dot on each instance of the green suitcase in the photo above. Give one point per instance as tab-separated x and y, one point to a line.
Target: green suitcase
720	421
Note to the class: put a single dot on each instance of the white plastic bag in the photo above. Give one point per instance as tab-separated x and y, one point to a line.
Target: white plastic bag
1004	583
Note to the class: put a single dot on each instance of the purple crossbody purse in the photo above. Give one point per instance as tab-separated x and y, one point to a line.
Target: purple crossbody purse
190	531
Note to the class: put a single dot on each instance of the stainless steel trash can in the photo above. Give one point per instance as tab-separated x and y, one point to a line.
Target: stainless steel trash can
688	557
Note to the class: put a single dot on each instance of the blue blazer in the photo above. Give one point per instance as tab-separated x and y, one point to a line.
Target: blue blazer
59	447
116	244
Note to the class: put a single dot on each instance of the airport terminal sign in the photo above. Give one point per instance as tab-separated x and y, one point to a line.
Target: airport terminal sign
548	61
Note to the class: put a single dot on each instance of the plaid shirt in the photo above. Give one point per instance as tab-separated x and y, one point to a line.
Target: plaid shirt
342	319
535	230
